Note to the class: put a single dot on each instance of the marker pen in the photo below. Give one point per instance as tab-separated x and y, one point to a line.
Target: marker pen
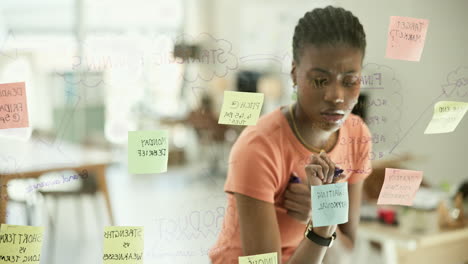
338	172
295	179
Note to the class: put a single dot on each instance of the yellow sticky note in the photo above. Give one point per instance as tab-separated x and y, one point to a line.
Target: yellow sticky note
20	244
447	116
123	245
240	108
268	258
148	151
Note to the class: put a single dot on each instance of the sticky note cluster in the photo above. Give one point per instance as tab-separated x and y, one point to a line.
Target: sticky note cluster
447	116
20	244
123	245
240	108
406	38
330	204
13	106
148	151
268	258
400	186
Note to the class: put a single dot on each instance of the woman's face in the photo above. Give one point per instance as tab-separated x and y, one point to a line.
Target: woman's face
328	80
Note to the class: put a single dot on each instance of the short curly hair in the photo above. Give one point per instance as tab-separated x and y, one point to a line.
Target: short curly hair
329	25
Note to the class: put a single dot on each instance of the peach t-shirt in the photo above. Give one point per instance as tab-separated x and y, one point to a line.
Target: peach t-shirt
260	165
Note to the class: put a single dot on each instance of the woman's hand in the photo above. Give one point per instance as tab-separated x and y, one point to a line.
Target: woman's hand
297	195
297	201
321	167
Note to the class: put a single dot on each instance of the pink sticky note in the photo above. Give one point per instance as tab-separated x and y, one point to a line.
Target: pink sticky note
13	106
400	186
406	38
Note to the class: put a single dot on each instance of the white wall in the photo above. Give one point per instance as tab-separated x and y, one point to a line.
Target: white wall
266	27
445	51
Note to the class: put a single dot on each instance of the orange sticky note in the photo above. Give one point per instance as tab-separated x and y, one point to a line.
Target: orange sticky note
400	186
13	106
406	38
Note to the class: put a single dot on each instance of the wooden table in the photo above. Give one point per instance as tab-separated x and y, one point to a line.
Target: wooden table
447	247
33	158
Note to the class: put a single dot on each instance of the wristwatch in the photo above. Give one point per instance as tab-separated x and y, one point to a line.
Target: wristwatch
319	240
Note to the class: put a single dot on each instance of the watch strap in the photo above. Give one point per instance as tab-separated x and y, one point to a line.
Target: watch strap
322	241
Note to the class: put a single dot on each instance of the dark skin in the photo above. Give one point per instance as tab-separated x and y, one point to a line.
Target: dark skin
328	80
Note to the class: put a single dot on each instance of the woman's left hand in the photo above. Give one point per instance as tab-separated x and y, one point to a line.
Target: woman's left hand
297	201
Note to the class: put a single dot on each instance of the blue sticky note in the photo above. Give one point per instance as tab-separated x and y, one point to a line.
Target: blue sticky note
330	204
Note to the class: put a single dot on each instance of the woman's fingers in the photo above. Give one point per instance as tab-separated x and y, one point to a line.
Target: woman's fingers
299	188
299	217
297	200
298	207
326	169
300	199
298	211
330	166
314	174
323	167
317	159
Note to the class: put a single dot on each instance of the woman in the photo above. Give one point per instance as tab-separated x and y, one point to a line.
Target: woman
266	213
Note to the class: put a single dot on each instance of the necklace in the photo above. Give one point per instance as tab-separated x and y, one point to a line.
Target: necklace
299	135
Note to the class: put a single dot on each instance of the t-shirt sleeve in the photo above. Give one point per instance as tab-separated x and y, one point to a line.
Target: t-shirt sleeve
362	161
253	170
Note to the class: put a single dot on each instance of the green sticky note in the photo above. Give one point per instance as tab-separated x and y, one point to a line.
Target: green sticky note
241	108
148	151
268	258
20	244
447	116
330	204
123	245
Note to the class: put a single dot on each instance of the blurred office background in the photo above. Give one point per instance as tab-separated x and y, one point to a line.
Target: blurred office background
95	70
